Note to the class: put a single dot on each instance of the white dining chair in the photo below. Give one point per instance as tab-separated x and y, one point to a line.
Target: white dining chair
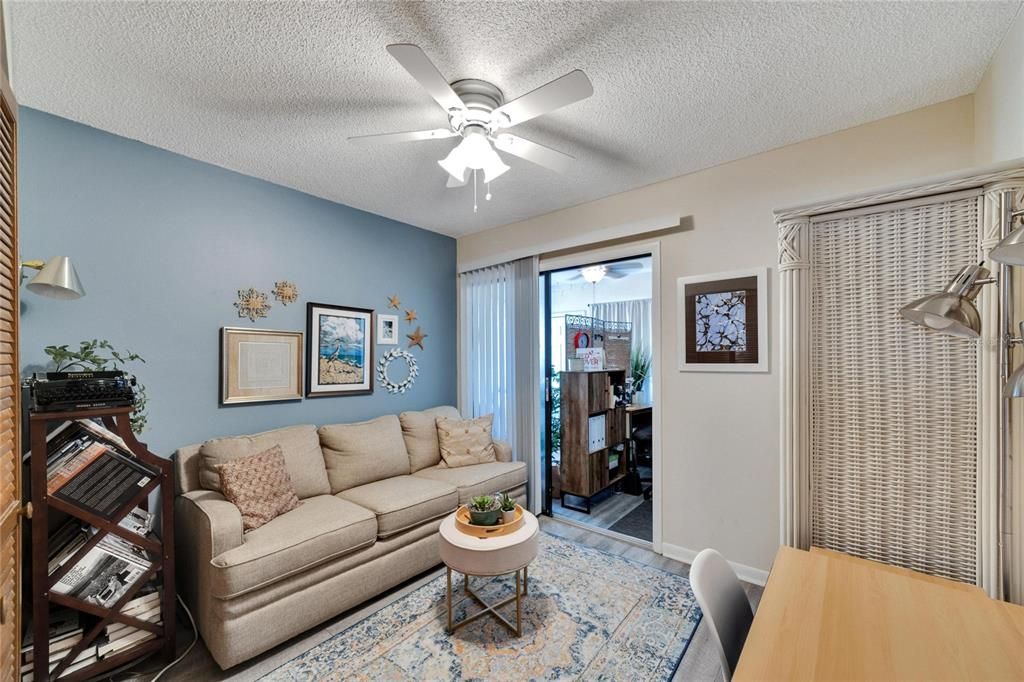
725	606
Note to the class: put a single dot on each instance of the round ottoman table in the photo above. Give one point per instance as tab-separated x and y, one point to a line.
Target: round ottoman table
473	556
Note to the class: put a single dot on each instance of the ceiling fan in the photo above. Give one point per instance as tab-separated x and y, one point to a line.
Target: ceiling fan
478	113
595	273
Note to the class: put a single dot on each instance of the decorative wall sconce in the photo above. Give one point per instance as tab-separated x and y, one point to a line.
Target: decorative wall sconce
56	278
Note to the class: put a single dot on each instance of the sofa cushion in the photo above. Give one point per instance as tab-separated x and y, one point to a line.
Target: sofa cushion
259	485
420	432
299	445
363	452
465	441
322	528
402	502
478	479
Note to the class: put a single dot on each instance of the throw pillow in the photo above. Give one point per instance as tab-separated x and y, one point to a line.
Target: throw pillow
465	441
259	485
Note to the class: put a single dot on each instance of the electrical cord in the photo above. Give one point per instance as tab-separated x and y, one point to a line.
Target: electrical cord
195	638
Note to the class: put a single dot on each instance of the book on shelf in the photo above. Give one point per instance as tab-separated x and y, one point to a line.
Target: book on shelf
63	623
91	467
106	572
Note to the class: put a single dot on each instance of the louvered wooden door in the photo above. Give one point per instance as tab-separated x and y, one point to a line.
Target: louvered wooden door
10	409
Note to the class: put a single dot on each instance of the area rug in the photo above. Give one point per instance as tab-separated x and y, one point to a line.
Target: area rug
638	523
588	614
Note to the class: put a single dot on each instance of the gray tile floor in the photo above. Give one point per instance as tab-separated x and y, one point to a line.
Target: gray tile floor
700	662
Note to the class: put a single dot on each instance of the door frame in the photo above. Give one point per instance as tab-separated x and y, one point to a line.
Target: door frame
650	248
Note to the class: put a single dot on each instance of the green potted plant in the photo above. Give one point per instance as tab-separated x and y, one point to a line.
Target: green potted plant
508	508
484	510
100	355
639	369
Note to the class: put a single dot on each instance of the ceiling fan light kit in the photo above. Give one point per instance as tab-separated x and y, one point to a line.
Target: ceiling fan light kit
477	112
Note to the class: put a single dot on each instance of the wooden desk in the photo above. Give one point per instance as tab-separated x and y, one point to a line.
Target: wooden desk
824	617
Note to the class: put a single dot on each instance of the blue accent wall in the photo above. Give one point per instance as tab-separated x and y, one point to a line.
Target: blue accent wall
163	242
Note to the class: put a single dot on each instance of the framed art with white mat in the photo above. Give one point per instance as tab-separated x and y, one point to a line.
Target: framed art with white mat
260	365
723	321
339	350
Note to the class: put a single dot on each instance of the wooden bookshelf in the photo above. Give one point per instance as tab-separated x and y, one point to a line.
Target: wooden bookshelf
585	473
160	549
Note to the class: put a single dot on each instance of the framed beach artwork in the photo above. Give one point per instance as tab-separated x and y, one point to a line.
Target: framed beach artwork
387	330
259	365
339	350
723	321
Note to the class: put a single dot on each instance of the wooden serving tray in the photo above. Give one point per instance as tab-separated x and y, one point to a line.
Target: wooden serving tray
462	523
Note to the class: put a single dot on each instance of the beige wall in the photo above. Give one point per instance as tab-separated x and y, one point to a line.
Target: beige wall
721	431
999	101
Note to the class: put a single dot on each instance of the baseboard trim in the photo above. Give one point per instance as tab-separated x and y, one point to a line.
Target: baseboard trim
745	573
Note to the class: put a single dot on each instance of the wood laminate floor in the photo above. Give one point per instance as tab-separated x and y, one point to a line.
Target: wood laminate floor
699	663
604	513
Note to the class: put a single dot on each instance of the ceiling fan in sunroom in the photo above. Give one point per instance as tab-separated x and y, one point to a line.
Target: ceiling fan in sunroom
478	113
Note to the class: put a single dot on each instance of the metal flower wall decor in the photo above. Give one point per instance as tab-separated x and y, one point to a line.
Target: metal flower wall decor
252	304
286	292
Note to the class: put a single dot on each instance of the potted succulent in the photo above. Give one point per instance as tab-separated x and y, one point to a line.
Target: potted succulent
508	508
484	511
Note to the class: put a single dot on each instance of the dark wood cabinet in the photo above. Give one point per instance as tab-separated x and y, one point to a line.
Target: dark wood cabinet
585	473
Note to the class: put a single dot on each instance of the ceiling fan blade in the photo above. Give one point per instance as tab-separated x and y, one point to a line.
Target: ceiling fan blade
625	266
452	182
533	152
572	87
411	136
616	274
423	70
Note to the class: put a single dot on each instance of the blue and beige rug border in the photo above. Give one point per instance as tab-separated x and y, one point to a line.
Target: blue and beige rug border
673	597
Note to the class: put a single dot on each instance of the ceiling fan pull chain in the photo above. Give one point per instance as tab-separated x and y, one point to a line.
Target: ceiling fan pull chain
488	195
474	190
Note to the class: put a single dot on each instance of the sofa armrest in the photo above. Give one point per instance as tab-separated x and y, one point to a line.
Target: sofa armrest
502	451
206	526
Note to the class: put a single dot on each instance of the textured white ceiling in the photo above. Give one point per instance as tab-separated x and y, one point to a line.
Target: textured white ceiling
273	89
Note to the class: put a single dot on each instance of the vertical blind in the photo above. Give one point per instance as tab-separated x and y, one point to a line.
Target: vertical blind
638	313
894	407
499	364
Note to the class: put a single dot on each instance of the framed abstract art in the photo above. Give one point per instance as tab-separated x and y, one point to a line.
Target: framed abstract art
723	321
339	350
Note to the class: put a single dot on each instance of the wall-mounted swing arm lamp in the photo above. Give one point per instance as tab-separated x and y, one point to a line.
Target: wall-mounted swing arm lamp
952	312
56	278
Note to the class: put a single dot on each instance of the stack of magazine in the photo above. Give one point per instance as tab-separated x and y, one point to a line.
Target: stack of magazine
90	467
66	632
107	570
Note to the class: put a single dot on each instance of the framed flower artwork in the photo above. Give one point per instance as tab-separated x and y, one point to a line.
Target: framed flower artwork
723	321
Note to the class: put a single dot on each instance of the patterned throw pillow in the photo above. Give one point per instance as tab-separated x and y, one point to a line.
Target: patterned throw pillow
465	441
259	485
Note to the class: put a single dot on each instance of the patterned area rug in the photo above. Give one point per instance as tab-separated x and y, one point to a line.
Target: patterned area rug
588	615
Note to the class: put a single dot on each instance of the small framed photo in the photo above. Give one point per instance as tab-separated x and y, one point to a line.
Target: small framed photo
723	321
387	330
339	350
260	365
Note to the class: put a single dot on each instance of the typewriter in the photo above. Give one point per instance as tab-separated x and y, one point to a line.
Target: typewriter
64	391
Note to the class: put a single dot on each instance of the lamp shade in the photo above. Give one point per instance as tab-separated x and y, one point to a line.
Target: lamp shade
951	311
57	279
1011	249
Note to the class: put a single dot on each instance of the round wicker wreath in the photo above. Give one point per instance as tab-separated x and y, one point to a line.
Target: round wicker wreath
385	362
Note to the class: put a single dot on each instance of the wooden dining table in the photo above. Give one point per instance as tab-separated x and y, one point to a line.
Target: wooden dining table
829	616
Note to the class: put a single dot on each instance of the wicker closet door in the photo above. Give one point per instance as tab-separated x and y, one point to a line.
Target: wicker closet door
894	408
10	410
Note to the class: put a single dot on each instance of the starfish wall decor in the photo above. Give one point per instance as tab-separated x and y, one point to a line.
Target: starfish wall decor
416	338
410	315
252	304
393	302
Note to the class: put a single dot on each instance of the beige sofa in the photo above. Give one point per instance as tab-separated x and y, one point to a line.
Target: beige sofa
373	495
